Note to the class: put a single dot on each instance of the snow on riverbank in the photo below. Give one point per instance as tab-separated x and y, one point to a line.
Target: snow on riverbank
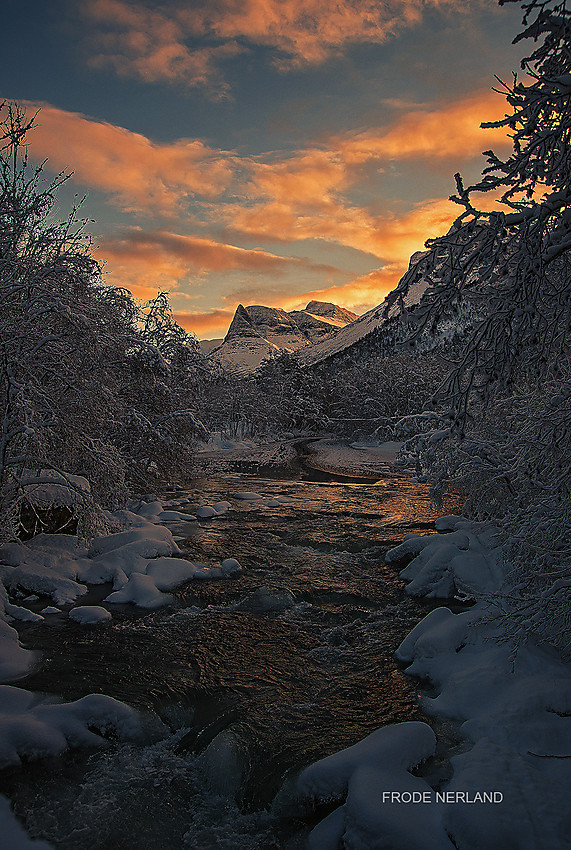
510	774
509	787
357	459
138	561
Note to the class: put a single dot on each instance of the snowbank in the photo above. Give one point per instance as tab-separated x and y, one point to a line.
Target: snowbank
358	459
369	780
466	560
510	779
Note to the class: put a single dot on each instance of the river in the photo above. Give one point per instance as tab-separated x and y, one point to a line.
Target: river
252	678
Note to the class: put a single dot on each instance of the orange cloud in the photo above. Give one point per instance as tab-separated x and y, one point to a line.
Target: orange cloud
307	195
152	42
388	237
141	175
212	324
359	294
144	261
449	131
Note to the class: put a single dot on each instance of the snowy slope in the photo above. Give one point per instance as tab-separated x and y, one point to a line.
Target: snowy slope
366	323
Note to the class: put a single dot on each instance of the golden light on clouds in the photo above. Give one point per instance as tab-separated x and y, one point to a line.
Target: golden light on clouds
152	42
307	197
138	174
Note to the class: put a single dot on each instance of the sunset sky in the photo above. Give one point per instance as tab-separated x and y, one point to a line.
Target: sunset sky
260	151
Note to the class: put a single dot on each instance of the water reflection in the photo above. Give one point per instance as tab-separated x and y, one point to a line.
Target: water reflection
259	689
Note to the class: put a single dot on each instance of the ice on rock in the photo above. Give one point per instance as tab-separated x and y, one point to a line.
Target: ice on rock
90	615
32	729
204	572
230	567
175	516
362	778
205	512
247	496
24	615
225	764
265	600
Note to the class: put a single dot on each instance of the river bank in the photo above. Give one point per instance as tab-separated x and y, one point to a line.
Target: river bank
284	655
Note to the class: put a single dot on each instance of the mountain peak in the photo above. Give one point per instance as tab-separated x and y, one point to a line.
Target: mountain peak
256	331
328	310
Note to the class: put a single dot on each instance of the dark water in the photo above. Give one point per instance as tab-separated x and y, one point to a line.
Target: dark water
252	678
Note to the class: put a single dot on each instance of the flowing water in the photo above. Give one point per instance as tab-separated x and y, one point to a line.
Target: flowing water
245	681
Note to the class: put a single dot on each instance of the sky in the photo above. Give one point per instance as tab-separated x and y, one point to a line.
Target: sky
260	151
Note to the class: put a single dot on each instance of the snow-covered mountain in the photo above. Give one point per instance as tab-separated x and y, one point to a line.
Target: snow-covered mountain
318	332
256	331
369	321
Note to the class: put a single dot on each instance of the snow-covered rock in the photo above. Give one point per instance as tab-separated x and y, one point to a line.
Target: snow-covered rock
13	834
516	713
32	729
466	560
169	573
142	591
90	615
257	331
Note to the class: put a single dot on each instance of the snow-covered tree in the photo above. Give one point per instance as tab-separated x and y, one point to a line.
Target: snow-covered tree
162	377
507	265
72	349
501	433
